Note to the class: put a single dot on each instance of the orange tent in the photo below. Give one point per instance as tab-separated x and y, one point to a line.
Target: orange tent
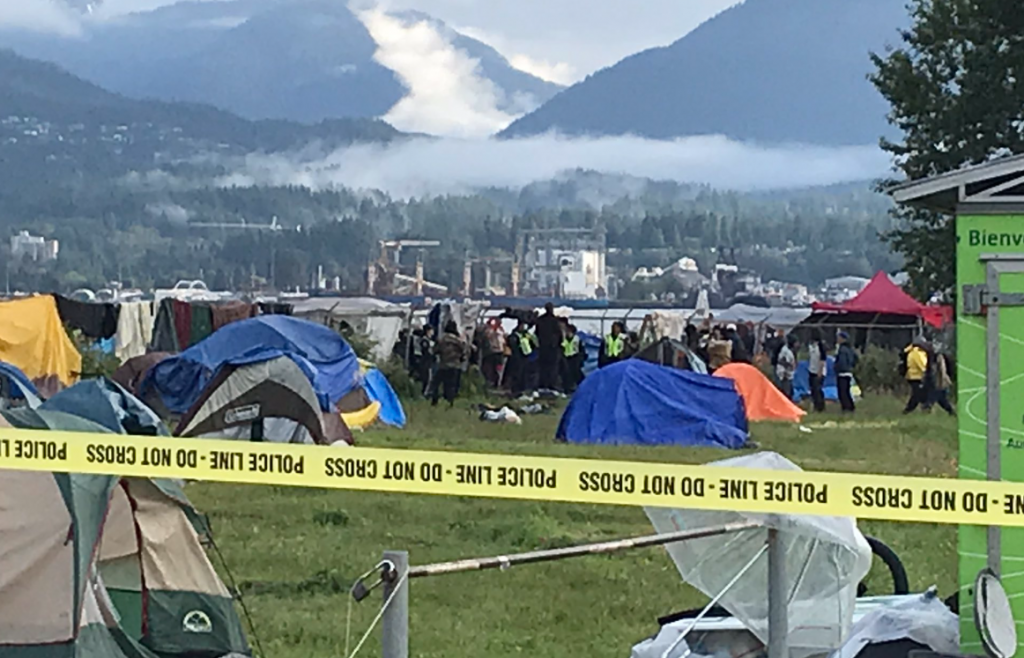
762	398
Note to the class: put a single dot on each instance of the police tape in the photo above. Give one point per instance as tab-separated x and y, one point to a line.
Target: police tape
592	481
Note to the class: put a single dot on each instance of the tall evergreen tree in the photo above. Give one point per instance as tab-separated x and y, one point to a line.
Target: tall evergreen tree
957	96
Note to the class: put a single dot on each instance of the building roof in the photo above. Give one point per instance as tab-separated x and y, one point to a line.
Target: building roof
998	182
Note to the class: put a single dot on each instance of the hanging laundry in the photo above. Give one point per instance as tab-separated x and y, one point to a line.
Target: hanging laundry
134	330
165	334
231	312
201	324
94	320
183	323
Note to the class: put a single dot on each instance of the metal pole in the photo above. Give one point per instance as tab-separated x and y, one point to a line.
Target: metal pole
505	561
778	597
992	415
395	621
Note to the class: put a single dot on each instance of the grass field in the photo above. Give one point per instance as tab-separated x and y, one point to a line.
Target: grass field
294	553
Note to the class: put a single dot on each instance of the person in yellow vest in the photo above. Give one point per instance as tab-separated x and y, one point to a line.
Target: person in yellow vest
574	354
916	370
522	359
613	348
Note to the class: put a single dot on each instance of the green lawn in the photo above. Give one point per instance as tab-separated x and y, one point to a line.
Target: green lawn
294	553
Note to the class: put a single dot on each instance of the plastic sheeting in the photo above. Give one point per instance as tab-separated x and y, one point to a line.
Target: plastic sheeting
923	619
324	356
826	558
32	339
763	399
635	402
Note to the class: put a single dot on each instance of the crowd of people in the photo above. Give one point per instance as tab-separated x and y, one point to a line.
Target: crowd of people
545	353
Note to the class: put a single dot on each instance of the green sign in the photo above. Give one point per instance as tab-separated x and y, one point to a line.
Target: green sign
977	236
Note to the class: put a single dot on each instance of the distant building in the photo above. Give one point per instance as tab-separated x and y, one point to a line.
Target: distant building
34	247
566	263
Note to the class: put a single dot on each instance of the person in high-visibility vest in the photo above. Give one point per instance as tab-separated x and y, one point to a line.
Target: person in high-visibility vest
574	355
613	348
523	355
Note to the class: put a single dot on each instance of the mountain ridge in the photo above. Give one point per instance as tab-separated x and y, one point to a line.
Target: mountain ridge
765	71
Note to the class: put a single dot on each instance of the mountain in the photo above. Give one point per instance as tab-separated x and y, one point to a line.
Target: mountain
301	60
56	127
771	71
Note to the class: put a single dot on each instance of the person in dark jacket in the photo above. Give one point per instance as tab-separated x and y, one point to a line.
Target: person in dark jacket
846	361
452	354
522	352
548	329
739	346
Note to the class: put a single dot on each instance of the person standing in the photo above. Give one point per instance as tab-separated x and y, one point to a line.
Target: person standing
425	361
493	346
452	354
916	370
574	354
942	382
846	361
817	364
549	347
739	353
521	350
613	347
785	365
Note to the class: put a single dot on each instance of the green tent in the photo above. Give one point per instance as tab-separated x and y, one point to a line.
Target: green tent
104	567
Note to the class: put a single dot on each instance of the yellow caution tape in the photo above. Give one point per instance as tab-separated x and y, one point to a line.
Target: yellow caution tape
884	497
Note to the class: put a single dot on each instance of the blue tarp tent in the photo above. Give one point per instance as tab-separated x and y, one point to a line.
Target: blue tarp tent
636	402
325	357
105	403
18	386
802	382
379	389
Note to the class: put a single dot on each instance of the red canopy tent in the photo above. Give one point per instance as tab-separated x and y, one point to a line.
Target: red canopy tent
882	296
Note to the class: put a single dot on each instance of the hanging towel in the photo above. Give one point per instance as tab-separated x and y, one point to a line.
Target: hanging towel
231	312
183	323
165	335
134	330
94	320
201	324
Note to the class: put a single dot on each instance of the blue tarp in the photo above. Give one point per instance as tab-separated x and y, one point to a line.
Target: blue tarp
105	403
802	381
325	357
19	385
636	402
378	388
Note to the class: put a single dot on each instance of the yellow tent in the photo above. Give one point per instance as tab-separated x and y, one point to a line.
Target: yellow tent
33	339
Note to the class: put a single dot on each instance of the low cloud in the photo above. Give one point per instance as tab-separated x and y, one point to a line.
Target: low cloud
560	72
47	16
447	94
424	167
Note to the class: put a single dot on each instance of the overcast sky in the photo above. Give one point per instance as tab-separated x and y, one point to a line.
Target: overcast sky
565	39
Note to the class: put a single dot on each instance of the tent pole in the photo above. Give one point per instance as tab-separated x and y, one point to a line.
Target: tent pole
778	597
395	620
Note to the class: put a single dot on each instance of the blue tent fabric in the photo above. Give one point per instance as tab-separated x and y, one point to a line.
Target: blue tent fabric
802	381
19	385
379	389
636	402
325	357
105	403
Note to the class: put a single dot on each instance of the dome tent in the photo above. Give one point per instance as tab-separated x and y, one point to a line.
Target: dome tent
104	567
636	402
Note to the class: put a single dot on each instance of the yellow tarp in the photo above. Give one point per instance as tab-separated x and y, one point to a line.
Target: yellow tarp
33	339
